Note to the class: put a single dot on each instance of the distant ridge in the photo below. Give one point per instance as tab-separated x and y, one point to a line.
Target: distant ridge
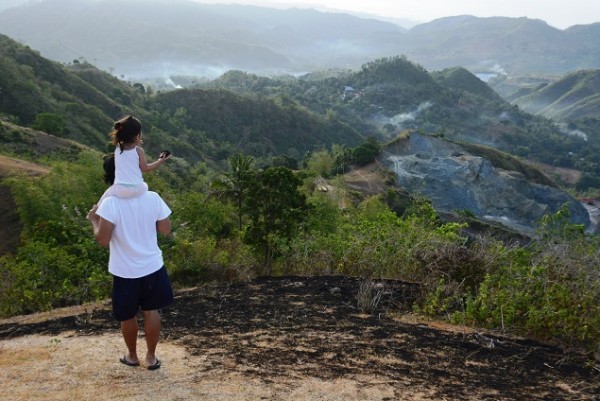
573	97
186	38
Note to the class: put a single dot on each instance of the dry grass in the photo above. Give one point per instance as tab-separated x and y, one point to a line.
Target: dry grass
10	165
72	367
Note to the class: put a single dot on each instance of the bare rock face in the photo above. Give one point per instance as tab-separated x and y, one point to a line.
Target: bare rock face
453	179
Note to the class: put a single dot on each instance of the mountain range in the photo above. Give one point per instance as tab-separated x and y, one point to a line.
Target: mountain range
178	37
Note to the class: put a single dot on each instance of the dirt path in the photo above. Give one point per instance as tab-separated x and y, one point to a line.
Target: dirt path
287	338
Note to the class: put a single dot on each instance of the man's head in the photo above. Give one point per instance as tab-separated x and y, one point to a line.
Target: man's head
109	169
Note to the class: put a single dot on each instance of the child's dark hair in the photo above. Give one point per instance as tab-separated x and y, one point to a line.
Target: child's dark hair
125	131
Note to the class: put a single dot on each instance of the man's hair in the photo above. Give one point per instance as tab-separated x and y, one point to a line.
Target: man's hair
109	169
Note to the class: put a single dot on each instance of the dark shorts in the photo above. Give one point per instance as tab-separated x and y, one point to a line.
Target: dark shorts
147	293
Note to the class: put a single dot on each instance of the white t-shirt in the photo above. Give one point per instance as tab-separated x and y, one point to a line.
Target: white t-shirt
134	250
127	167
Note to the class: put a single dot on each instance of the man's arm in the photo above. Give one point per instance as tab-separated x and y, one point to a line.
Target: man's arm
164	226
102	228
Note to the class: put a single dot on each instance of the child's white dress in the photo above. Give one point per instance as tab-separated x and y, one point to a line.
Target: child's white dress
129	182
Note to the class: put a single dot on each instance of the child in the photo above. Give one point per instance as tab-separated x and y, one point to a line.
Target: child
130	160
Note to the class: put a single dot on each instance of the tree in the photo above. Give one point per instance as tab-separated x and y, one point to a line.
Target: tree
236	182
320	163
50	123
276	209
366	152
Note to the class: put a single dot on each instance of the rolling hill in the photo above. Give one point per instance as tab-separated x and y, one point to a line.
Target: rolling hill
573	97
85	101
186	38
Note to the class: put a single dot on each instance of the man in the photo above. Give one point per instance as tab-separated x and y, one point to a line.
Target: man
140	281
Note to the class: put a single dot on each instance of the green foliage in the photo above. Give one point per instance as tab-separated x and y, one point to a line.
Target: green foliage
370	241
555	295
194	259
557	226
59	262
276	209
256	125
32	86
236	183
320	163
203	216
550	290
50	123
44	275
366	152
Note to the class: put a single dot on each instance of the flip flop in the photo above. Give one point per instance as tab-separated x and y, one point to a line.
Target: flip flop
155	366
124	361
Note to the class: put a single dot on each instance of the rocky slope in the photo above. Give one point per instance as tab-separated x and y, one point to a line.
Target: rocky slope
455	179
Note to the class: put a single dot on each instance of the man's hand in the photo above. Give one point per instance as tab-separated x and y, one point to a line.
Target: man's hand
92	216
102	229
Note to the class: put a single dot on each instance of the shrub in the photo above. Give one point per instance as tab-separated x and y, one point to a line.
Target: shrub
50	123
191	262
43	276
550	290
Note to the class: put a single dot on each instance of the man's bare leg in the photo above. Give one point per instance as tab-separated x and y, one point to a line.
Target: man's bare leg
152	331
129	330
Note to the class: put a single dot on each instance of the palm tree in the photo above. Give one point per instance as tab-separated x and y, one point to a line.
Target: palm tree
235	184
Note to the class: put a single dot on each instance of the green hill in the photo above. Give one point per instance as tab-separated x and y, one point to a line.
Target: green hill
32	85
461	79
253	124
391	95
80	102
574	96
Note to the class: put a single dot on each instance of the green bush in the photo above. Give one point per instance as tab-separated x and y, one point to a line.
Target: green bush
203	259
553	294
42	276
369	241
50	123
58	262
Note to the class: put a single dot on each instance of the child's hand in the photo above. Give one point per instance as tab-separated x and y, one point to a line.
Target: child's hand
165	154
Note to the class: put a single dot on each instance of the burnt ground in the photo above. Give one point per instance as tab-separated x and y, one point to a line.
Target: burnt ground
274	328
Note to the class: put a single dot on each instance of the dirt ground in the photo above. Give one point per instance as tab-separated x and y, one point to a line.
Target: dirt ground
287	338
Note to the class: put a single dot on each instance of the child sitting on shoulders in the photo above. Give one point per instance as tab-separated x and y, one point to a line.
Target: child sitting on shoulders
130	160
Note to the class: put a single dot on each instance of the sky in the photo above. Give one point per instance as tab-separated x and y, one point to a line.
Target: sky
557	13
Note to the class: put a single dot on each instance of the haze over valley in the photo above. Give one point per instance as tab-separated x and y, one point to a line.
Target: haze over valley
165	39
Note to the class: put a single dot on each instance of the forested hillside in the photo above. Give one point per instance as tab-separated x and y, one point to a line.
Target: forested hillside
271	117
80	102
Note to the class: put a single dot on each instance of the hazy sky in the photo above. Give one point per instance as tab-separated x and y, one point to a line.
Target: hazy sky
558	13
